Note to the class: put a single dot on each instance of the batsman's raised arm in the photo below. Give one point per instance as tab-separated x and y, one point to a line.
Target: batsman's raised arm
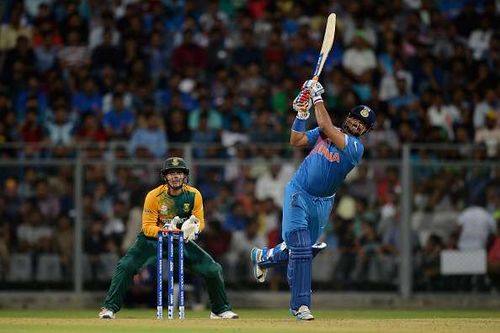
337	137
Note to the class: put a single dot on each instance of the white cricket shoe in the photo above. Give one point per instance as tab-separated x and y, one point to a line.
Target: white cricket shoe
224	315
106	314
258	272
303	313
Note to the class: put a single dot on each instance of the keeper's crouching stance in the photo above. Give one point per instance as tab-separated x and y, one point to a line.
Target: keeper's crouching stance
309	195
173	201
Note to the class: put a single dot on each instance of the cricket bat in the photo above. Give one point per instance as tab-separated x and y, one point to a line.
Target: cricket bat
326	46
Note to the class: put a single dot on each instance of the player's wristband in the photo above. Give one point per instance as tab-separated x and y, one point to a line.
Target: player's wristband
299	125
317	99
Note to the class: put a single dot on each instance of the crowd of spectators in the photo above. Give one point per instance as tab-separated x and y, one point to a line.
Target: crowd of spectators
153	74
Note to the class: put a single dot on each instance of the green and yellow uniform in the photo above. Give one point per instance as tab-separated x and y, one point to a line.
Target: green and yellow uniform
159	207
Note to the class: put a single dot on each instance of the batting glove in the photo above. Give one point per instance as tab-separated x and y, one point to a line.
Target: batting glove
316	90
302	104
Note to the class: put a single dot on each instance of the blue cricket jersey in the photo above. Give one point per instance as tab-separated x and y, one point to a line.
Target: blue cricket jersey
326	166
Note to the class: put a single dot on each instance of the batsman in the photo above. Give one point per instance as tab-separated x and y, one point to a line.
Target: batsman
174	200
310	194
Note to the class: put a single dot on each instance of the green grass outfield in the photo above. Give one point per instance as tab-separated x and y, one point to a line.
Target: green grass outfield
253	321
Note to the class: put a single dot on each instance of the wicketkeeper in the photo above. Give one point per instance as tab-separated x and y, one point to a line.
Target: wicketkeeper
176	201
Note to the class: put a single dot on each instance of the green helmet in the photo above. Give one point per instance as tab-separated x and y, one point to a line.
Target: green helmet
173	163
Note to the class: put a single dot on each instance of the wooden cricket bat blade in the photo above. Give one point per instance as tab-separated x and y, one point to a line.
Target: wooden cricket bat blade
326	46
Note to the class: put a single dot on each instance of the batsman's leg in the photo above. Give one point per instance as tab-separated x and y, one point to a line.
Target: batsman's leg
278	255
300	273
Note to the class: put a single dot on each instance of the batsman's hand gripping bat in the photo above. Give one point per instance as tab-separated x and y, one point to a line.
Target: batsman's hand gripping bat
326	46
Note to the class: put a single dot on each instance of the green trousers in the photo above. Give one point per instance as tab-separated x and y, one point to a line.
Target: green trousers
143	252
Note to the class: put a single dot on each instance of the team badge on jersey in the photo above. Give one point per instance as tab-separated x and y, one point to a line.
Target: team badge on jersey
164	210
187	207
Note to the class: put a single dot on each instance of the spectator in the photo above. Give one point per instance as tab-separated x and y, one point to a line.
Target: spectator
247	53
265	128
148	139
476	225
188	54
90	130
235	134
369	247
11	31
177	129
490	103
75	54
18	62
271	183
118	122
106	53
46	54
359	57
64	243
443	116
237	218
202	136
46	200
405	96
216	240
242	243
121	87
60	129
93	246
430	269
87	99
32	233
467	19
489	135
99	31
114	228
29	130
45	26
31	96
479	39
158	56
214	118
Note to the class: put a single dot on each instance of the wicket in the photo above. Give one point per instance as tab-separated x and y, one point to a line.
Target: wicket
170	274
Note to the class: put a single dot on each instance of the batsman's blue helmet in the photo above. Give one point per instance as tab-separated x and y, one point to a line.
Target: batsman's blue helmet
365	114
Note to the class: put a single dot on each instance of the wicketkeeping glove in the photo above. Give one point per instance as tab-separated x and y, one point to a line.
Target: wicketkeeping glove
315	89
302	104
191	228
173	223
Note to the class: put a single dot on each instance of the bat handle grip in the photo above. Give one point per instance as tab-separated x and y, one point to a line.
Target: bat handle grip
315	78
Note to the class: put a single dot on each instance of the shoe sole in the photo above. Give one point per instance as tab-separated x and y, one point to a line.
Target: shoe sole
253	257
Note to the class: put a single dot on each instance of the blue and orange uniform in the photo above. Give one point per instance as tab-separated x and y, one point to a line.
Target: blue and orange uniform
309	198
310	194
